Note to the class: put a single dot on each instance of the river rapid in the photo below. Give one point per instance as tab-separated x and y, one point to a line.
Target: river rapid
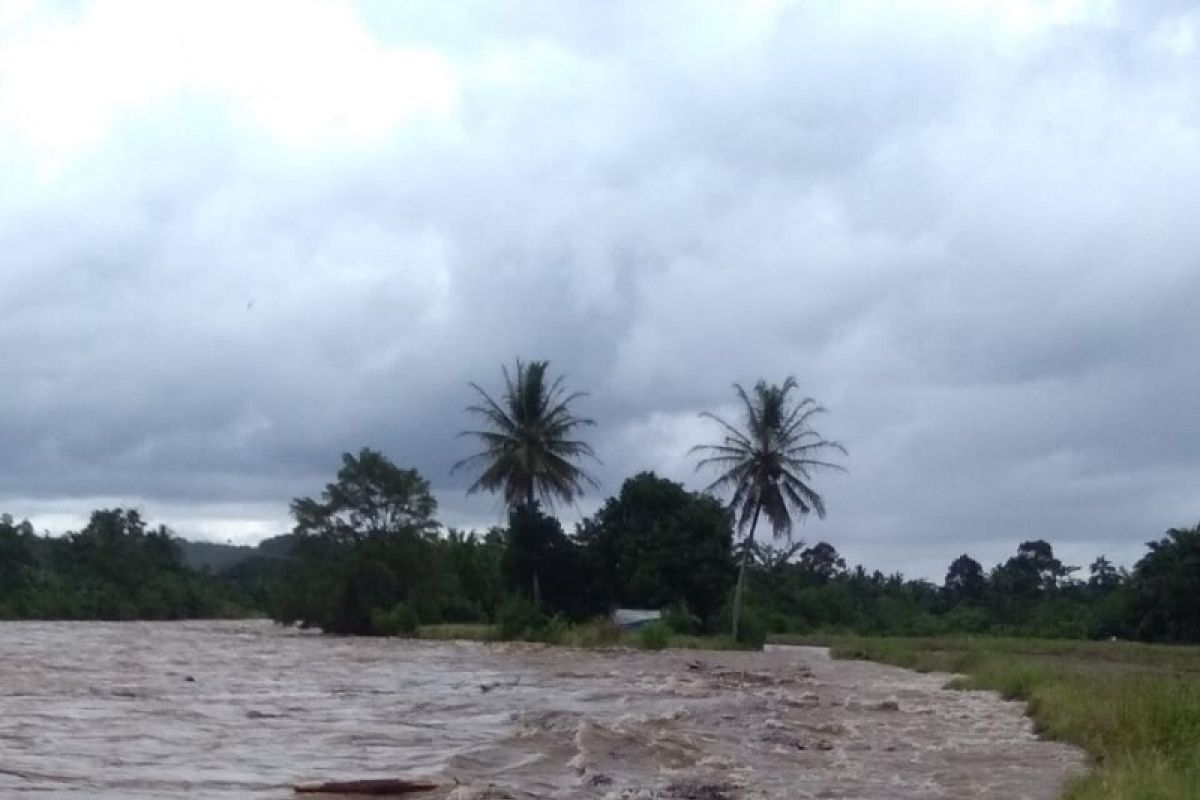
225	710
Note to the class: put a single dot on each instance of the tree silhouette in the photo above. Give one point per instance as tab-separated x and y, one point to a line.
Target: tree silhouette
768	463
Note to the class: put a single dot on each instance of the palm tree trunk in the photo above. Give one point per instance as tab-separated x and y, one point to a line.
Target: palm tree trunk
537	584
741	582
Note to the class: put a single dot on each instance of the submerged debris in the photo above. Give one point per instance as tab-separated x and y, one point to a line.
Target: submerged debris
379	787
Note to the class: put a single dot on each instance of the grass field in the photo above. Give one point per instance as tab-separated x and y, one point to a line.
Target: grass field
1134	708
587	634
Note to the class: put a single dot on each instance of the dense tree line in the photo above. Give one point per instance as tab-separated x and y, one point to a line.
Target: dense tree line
368	556
657	545
1031	593
115	568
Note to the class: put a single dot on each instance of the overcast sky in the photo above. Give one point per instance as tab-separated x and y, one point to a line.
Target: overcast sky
240	238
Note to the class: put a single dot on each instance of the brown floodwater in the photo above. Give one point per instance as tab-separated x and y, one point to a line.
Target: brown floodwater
224	710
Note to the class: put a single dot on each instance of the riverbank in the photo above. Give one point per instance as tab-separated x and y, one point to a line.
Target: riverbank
595	634
1134	708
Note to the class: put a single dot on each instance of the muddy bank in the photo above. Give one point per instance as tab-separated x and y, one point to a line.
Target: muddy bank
244	710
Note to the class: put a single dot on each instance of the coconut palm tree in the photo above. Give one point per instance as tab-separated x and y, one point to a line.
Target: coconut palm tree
768	464
529	453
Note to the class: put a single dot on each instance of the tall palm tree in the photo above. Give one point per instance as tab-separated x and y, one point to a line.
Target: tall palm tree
529	453
768	464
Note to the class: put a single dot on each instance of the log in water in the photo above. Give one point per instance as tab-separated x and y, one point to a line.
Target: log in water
106	711
376	787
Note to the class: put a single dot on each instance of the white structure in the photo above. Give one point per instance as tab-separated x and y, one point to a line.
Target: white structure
633	618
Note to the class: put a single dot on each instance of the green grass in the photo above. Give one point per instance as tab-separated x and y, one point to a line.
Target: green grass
1134	708
596	634
450	631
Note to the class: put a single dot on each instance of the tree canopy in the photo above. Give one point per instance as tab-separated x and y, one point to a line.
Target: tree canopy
1166	588
530	453
767	464
371	497
656	545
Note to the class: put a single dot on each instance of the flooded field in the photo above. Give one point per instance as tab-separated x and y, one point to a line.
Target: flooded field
224	710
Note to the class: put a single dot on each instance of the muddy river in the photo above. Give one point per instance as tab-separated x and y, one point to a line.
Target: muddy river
224	710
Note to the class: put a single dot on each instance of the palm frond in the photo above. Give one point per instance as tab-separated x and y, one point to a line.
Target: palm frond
529	451
766	464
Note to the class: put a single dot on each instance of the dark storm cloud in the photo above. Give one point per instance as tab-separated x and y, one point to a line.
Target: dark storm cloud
967	232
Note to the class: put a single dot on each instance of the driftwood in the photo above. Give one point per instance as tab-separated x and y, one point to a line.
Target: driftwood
377	787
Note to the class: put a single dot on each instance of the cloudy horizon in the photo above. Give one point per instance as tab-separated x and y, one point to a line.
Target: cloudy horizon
241	239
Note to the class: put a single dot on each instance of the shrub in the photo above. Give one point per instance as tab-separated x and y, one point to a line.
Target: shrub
400	620
456	608
597	633
680	619
552	631
519	618
752	629
654	636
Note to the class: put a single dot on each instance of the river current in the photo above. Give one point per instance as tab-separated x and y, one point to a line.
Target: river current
245	710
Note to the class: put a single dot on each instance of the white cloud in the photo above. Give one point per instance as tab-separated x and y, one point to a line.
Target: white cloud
304	73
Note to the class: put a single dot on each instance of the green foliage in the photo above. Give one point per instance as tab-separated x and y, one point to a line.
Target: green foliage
654	636
369	545
400	620
116	568
752	631
601	632
1031	594
822	562
965	580
966	619
1165	586
366	558
680	619
528	451
519	618
767	465
371	497
541	560
554	630
655	544
458	631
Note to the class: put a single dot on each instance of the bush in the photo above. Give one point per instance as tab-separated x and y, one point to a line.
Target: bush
459	609
966	619
597	633
553	631
654	636
518	618
680	619
752	628
400	620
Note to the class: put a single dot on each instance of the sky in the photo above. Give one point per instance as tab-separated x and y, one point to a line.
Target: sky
239	239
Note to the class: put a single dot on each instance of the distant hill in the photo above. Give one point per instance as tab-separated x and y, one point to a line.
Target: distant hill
219	558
